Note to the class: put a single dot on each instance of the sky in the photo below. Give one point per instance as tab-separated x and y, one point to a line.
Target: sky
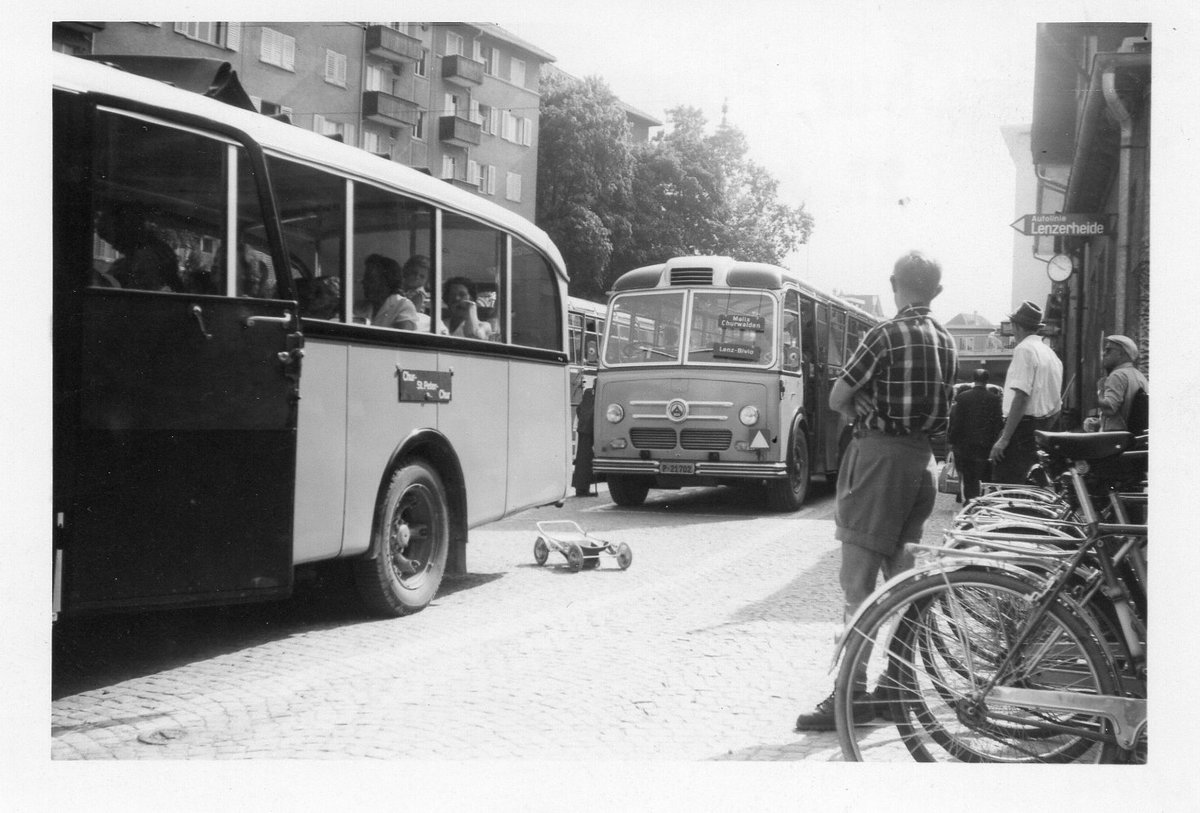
881	119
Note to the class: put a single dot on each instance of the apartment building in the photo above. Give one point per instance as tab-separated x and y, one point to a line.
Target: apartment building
458	100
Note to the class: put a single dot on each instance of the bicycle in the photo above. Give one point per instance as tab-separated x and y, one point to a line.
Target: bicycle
1008	646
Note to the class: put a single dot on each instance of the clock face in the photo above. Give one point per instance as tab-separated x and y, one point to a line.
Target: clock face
1059	268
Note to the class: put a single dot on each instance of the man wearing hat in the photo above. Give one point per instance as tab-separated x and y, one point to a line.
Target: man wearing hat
1114	395
1032	397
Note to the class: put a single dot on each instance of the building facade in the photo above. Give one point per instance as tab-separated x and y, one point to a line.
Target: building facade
1090	145
458	100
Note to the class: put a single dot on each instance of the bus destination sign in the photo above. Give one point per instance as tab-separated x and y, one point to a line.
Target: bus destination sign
741	321
424	386
742	352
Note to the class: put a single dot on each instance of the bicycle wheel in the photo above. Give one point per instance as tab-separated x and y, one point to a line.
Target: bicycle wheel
935	642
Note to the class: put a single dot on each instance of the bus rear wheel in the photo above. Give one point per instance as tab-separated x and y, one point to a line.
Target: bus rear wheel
626	490
788	494
410	545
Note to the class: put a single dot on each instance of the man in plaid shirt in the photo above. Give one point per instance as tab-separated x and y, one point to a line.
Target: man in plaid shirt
896	388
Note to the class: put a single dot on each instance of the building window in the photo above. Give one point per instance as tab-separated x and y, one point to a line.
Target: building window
419	130
371	141
489	56
516	72
449	166
335	68
517	129
488	117
272	108
513	188
525	131
223	35
454	44
419	68
487	179
382	79
450	104
473	172
278	49
337	130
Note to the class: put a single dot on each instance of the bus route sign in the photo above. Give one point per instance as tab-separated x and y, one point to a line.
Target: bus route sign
1068	224
424	386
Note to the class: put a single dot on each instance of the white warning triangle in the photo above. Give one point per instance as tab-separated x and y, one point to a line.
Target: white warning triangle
759	442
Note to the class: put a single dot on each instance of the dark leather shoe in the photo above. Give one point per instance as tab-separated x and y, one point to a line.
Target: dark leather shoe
821	718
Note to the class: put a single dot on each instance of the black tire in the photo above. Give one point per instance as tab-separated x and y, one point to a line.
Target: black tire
788	494
624	556
410	546
626	490
541	551
935	660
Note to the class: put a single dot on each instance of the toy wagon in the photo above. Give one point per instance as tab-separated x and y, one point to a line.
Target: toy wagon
581	550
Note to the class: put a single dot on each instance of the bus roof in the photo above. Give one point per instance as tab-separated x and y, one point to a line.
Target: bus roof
88	76
705	271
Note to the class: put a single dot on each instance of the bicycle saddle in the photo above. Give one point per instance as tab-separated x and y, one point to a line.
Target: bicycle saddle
1083	445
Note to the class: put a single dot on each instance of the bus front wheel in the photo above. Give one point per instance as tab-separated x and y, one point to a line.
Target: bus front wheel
788	494
627	491
411	543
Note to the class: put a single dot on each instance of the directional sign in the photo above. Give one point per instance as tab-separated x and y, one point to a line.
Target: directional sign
1065	225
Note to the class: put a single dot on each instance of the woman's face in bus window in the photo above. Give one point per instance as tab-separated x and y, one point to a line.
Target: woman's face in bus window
457	293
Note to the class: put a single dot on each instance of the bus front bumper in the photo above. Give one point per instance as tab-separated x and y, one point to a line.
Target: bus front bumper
699	468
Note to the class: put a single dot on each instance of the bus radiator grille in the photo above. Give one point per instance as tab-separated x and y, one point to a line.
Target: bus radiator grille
652	438
713	440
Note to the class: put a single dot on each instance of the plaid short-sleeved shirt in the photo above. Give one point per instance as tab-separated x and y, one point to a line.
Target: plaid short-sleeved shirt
907	365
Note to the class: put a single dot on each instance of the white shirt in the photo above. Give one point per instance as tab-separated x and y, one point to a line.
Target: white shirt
1036	371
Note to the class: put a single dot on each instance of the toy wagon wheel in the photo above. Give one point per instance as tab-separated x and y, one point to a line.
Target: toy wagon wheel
574	557
541	551
624	556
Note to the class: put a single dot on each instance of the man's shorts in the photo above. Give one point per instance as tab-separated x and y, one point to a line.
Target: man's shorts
885	491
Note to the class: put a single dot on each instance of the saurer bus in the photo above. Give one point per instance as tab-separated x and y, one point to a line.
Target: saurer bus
716	372
230	405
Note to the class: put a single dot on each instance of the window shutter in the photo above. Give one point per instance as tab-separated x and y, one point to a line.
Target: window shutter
527	132
318	123
289	53
233	36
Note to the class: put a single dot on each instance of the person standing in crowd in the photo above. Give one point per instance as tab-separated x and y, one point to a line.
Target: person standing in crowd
1115	392
585	434
896	388
975	422
1032	397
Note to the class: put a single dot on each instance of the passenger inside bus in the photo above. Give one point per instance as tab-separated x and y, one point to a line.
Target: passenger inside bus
460	315
383	281
147	262
320	297
414	279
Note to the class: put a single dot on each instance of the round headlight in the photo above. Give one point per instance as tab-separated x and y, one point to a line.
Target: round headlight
749	415
614	413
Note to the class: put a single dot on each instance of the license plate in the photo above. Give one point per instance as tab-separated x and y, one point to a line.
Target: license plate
668	467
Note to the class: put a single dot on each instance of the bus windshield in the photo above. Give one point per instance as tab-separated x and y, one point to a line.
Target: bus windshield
731	327
723	327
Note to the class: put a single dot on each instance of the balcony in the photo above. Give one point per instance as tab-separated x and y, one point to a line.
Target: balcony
460	70
384	108
390	44
459	131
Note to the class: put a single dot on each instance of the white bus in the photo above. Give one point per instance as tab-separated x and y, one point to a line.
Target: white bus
228	405
715	372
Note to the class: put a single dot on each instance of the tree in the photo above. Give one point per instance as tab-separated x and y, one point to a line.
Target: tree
585	167
611	206
700	194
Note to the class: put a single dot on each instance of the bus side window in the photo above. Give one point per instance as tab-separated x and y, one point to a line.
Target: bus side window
790	335
808	331
312	209
149	232
837	336
474	252
536	313
400	230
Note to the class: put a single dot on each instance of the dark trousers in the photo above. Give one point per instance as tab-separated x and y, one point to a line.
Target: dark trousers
1021	453
973	467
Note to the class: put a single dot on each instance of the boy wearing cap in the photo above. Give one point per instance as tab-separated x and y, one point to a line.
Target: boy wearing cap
1114	395
1032	397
